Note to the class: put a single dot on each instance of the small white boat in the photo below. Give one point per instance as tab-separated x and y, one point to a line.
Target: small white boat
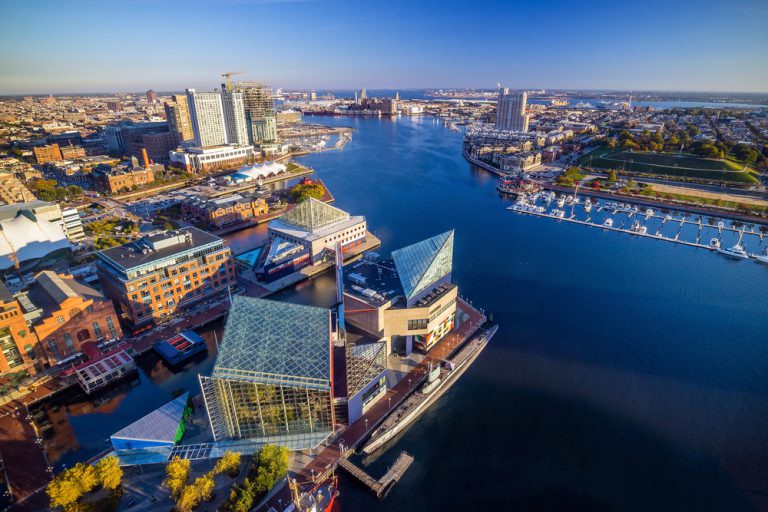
587	205
737	251
560	202
649	213
638	228
720	225
715	242
762	258
608	223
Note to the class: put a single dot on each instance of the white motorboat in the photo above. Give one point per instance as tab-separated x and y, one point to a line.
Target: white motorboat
608	223
737	251
587	205
715	242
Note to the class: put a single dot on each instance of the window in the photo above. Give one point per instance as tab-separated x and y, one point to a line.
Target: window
111	327
83	335
420	323
68	341
60	319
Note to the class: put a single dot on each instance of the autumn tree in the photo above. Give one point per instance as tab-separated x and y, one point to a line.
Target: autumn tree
189	498
612	176
64	492
205	486
177	474
229	463
109	473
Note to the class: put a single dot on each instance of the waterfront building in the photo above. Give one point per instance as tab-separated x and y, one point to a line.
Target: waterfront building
12	190
177	113
162	428
224	211
103	368
18	345
69	314
407	300
201	160
151	278
234	117
305	234
49	153
288	116
27	241
510	111
273	377
206	111
259	111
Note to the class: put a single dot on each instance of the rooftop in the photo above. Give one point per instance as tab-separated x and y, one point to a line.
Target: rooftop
160	425
157	247
276	343
312	215
423	263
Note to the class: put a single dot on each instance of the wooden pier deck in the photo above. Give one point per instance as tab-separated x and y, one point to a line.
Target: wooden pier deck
383	484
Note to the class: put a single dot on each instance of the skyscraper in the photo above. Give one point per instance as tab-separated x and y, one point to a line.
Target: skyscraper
259	111
177	113
510	111
151	96
234	117
363	94
206	110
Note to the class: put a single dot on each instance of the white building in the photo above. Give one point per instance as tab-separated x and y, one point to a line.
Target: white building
202	159
510	111
234	118
206	111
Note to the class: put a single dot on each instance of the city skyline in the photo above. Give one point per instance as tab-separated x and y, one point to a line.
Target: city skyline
558	45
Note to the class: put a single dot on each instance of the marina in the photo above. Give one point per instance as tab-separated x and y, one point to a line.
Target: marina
723	236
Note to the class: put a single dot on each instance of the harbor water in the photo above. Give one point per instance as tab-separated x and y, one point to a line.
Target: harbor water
627	373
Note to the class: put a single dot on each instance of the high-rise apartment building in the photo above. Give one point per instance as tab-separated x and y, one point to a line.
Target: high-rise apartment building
259	111
151	96
510	111
206	110
234	117
177	113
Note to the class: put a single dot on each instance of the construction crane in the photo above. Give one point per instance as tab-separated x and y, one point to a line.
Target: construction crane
229	75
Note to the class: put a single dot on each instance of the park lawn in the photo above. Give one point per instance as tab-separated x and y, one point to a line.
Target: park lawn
684	165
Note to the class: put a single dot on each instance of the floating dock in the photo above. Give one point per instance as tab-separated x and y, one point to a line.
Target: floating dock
381	486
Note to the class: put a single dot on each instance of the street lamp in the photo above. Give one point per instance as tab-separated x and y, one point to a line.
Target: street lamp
390	402
366	423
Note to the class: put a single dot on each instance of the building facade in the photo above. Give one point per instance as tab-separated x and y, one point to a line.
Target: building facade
71	314
18	343
234	117
177	114
154	277
225	211
273	377
200	160
111	180
49	153
72	152
260	114
510	111
206	111
12	190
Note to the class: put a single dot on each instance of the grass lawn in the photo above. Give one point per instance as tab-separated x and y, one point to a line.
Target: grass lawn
684	165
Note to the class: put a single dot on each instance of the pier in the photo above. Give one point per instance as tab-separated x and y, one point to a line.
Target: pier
383	484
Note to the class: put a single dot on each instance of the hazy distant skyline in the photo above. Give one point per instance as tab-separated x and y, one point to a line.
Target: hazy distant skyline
167	45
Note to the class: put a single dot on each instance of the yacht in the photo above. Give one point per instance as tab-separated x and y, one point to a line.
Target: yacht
587	205
638	228
720	225
649	213
560	201
608	223
737	251
715	242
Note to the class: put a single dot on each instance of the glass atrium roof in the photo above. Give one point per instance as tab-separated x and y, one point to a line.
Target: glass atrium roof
273	342
160	425
313	214
423	263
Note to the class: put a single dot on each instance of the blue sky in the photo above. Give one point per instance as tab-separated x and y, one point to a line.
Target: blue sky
133	45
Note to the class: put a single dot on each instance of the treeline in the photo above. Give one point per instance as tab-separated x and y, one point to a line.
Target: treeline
49	190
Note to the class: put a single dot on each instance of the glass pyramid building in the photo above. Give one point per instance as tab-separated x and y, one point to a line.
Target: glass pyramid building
313	215
424	263
272	377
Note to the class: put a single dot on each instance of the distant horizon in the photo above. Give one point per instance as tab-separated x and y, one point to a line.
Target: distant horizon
92	47
389	88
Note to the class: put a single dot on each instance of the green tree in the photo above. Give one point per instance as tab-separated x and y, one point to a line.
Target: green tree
228	463
241	497
272	463
109	472
177	474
